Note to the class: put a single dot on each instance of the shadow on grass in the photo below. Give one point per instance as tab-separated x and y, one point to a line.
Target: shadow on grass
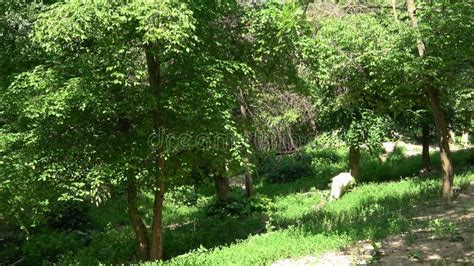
373	211
398	166
371	214
184	229
394	168
209	233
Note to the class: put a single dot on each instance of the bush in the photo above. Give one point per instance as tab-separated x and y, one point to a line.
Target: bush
185	195
112	246
394	168
49	247
11	239
67	215
398	166
327	163
286	168
464	158
240	206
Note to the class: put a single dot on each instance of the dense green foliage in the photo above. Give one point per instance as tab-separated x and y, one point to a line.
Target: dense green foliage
276	217
106	106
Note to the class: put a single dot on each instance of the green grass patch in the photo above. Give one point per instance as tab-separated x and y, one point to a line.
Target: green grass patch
370	211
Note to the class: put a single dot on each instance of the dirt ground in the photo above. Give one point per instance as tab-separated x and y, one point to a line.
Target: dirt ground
448	240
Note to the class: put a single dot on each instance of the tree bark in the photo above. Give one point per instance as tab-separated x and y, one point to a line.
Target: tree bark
248	184
222	187
425	155
438	114
354	162
411	13
248	172
394	9
156	251
138	226
154	79
443	141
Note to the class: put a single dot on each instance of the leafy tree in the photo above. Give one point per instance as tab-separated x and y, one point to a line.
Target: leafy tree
356	70
415	124
274	34
116	74
444	33
18	53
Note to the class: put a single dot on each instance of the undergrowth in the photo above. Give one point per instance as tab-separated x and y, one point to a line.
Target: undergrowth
370	211
285	219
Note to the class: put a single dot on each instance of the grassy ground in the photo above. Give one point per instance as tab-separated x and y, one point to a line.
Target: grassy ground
370	211
289	219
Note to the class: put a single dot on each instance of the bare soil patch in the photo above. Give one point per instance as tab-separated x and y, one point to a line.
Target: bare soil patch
449	239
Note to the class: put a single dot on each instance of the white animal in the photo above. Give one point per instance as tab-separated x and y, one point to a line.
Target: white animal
340	184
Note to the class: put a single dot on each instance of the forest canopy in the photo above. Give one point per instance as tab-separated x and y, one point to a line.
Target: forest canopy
144	106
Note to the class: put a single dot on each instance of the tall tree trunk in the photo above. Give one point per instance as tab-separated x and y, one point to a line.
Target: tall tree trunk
138	226
354	162
438	114
394	9
425	141
248	184
156	251
156	242
411	13
222	187
443	142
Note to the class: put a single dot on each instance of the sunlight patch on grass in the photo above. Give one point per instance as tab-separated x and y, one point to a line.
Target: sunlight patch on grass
369	211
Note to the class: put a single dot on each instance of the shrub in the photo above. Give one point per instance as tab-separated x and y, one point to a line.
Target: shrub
67	215
11	239
327	163
240	206
286	168
398	166
183	195
442	227
112	246
49	247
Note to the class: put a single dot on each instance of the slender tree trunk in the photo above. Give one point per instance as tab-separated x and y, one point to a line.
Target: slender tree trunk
248	184
132	197
248	171
425	155
156	242
354	162
222	187
411	13
443	141
138	226
438	114
156	251
394	8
